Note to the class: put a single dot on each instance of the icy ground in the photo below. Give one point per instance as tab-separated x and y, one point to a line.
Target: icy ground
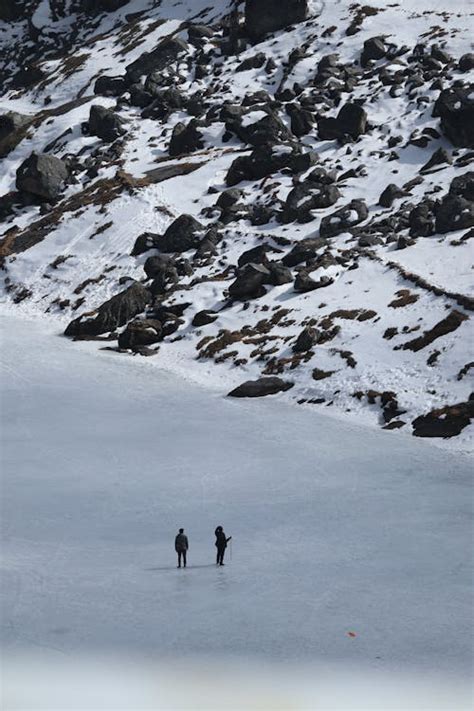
350	546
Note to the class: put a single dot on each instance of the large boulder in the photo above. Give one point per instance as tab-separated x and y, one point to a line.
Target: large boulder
112	314
267	129
306	197
463	185
421	219
110	86
454	213
262	16
250	281
183	234
351	121
42	175
139	333
105	123
455	108
266	160
344	219
446	421
158	59
13	127
306	340
185	138
261	387
374	48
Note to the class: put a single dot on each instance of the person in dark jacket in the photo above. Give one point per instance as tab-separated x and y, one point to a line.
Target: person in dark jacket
221	544
181	546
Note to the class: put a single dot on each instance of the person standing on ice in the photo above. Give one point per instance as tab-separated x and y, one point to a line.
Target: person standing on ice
221	544
181	546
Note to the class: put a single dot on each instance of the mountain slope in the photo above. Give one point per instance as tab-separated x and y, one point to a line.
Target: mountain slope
300	123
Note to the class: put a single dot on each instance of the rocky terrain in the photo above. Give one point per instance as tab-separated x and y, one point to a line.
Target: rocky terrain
266	197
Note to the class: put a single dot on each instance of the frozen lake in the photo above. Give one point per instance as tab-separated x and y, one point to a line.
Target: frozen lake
350	546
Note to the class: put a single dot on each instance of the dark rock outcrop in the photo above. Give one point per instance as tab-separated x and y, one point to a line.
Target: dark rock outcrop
351	121
183	234
105	123
308	196
263	16
186	138
261	387
344	219
42	175
306	340
249	283
158	59
455	108
112	314
446	421
140	332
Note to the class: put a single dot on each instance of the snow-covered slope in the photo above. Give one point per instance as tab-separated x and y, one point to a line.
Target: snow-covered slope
367	291
350	566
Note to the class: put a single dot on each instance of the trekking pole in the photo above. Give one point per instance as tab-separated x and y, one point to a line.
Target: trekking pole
231	548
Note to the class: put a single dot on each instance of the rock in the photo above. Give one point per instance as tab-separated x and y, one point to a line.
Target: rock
463	185
200	32
344	219
229	197
263	16
439	157
202	318
279	274
158	59
140	332
447	421
105	123
303	251
42	175
454	213
255	62
261	387
265	161
369	241
257	255
112	314
160	265
143	243
110	86
181	235
392	192
139	96
268	130
350	121
304	282
455	108
301	120
374	48
12	121
466	62
185	139
308	196
422	219
249	283
306	340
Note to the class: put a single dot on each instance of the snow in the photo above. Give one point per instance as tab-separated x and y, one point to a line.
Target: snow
336	528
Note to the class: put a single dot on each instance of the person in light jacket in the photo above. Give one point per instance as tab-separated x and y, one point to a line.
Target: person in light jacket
181	546
221	544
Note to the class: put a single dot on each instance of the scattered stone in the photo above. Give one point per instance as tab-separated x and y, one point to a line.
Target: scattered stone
249	283
112	314
185	139
105	123
261	387
42	175
140	332
344	219
391	193
446	421
202	318
263	16
455	108
306	340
